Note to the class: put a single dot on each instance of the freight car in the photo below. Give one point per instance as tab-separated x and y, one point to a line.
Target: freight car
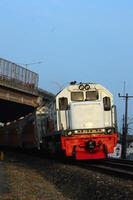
80	122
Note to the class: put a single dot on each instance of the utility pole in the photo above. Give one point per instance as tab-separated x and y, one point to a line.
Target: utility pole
125	125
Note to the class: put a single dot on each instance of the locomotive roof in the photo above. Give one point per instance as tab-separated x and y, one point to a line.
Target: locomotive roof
91	84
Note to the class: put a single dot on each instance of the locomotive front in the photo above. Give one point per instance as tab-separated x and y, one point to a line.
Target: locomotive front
86	119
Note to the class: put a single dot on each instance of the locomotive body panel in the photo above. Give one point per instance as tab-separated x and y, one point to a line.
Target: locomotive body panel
86	116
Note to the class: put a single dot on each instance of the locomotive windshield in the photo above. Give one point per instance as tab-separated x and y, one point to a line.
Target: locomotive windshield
91	95
77	96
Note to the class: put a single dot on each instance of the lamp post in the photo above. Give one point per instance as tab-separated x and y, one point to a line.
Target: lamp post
27	65
33	63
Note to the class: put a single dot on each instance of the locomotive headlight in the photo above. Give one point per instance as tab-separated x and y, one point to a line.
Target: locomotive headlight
75	131
87	86
103	130
81	87
69	133
109	131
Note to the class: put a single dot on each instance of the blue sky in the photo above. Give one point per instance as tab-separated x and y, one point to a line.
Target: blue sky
88	40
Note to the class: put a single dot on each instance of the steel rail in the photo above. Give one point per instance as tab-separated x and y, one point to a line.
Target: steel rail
121	169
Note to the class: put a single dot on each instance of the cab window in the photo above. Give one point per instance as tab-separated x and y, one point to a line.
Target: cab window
77	96
107	103
91	95
63	103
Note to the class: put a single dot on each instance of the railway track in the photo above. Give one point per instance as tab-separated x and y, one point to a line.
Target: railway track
116	167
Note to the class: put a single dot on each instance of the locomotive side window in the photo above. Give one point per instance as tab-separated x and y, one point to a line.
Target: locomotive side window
77	96
91	95
107	103
63	103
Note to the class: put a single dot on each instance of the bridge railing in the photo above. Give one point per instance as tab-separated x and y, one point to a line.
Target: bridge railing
15	76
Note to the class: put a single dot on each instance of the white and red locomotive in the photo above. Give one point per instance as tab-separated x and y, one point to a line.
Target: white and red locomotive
84	119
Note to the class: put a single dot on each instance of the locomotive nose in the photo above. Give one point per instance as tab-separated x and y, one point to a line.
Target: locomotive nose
90	145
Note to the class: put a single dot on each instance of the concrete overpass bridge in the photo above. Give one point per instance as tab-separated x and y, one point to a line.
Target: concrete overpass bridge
19	93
